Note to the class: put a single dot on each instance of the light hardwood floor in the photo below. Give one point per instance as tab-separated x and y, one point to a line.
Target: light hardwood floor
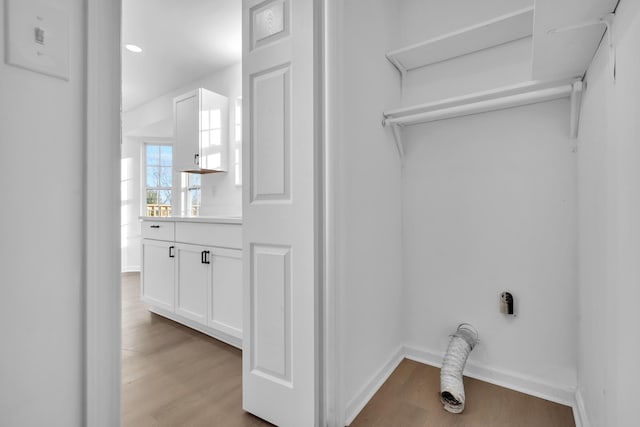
174	376
409	398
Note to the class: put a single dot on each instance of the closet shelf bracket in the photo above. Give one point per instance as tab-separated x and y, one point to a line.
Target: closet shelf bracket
576	102
608	22
397	136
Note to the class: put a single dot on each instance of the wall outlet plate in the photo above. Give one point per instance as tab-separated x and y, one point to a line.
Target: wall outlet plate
37	37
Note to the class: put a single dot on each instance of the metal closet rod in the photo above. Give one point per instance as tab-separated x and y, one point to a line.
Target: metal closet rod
474	107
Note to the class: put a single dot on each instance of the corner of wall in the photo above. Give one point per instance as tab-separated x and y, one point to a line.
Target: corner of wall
580	412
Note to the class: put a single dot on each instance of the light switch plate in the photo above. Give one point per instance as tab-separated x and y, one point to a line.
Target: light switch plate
37	37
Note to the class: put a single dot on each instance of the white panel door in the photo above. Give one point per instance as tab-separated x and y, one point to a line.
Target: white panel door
192	281
225	299
157	273
280	354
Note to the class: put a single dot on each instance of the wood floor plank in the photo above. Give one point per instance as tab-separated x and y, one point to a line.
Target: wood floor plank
175	376
410	398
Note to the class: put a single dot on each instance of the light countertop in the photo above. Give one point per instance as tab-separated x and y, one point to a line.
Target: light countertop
205	219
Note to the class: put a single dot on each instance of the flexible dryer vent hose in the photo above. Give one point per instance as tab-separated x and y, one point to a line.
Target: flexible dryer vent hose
451	385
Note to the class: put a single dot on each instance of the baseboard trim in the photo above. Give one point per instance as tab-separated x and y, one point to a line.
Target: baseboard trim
131	269
580	412
372	386
553	392
220	336
511	380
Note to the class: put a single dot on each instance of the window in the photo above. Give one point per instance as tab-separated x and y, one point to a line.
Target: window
237	146
194	193
159	179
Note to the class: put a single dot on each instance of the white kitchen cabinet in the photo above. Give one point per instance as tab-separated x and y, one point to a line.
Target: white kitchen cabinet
201	131
225	300
157	273
192	282
196	277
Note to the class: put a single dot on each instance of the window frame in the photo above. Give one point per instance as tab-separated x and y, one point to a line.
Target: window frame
143	173
237	142
187	208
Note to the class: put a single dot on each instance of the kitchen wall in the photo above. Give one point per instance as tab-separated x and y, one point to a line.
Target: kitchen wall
609	229
131	199
369	177
153	122
42	148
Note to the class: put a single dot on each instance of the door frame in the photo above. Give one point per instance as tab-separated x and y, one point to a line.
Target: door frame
102	371
333	221
102	305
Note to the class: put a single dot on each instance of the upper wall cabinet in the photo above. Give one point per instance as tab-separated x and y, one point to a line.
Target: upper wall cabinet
201	129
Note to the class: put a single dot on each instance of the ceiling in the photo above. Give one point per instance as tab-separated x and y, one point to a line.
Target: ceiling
182	40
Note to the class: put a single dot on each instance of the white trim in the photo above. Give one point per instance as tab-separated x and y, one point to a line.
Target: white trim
363	397
514	381
131	269
102	215
334	310
214	333
510	380
580	411
144	142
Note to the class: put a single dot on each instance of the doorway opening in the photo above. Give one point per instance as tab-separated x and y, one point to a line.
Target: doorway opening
181	296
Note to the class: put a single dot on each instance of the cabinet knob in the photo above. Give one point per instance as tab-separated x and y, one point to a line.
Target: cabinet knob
196	159
155	226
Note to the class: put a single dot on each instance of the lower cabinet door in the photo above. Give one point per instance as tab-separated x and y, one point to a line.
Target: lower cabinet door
225	301
157	273
192	281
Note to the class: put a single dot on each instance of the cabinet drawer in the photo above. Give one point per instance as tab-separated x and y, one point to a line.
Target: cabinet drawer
222	235
158	230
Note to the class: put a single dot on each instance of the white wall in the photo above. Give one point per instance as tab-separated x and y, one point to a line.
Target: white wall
490	68
370	229
500	66
153	120
609	227
423	20
489	205
130	203
41	249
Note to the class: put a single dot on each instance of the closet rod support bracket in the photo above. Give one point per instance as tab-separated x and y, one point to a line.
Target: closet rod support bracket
397	135
576	101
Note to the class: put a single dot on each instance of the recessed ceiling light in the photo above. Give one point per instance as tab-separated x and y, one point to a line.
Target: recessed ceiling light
133	48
